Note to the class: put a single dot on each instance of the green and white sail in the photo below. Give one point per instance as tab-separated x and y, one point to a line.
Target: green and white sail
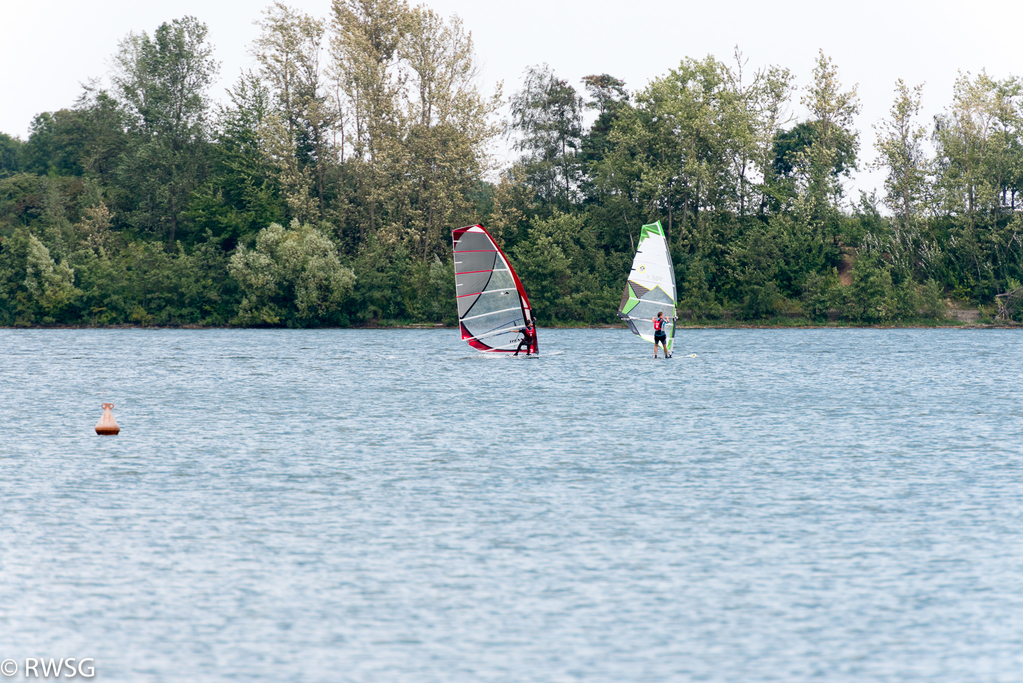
651	286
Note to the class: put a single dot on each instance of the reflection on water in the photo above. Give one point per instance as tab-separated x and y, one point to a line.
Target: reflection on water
840	505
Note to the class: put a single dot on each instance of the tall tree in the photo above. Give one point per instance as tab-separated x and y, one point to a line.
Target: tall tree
86	139
364	52
11	150
608	97
547	113
901	154
288	50
447	124
978	162
757	113
975	138
420	126
833	144
241	195
831	120
163	82
364	65
673	149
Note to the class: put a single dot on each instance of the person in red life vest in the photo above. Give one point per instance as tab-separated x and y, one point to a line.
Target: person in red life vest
528	336
660	333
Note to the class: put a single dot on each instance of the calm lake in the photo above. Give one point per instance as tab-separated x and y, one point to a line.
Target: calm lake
378	506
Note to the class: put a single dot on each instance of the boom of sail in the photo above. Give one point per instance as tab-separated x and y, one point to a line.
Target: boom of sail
492	304
651	286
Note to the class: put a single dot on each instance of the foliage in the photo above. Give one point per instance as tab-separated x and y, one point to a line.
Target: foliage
10	155
368	134
871	296
292	276
547	113
161	83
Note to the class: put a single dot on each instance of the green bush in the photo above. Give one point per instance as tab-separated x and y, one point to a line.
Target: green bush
292	277
871	296
821	295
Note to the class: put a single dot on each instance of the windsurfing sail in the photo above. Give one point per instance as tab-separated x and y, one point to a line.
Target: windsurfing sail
651	286
492	304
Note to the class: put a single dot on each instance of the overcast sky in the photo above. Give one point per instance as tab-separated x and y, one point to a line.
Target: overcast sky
49	47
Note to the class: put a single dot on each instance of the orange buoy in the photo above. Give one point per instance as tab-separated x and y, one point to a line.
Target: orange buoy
107	425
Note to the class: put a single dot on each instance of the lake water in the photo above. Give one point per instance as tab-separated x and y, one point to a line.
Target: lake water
377	506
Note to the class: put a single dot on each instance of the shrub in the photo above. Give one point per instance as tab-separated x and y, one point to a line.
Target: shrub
292	277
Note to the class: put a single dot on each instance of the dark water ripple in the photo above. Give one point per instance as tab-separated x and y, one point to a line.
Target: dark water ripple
839	505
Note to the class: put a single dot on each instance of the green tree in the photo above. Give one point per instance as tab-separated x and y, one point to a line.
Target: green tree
162	81
241	195
906	246
86	139
791	148
822	293
50	286
447	126
34	287
693	146
293	276
547	114
872	295
977	141
608	97
831	118
419	126
366	72
901	154
544	269
11	150
753	117
288	50
567	274
833	140
670	149
754	262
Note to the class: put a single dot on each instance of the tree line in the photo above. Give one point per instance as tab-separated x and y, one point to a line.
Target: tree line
324	188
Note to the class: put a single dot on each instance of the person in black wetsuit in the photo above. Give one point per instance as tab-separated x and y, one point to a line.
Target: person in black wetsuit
528	336
660	335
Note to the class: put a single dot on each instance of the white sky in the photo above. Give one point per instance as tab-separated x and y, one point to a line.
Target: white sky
49	47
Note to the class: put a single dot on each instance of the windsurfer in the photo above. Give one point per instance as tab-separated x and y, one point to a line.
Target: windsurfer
660	336
528	336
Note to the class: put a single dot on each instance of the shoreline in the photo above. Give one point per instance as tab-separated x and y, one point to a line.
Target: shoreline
936	325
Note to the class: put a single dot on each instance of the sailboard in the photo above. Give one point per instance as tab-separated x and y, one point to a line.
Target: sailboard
492	304
651	286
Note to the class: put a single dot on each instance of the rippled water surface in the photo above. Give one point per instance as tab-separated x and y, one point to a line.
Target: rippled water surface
837	505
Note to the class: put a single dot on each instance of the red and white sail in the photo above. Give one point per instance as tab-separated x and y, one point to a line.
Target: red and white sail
492	304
